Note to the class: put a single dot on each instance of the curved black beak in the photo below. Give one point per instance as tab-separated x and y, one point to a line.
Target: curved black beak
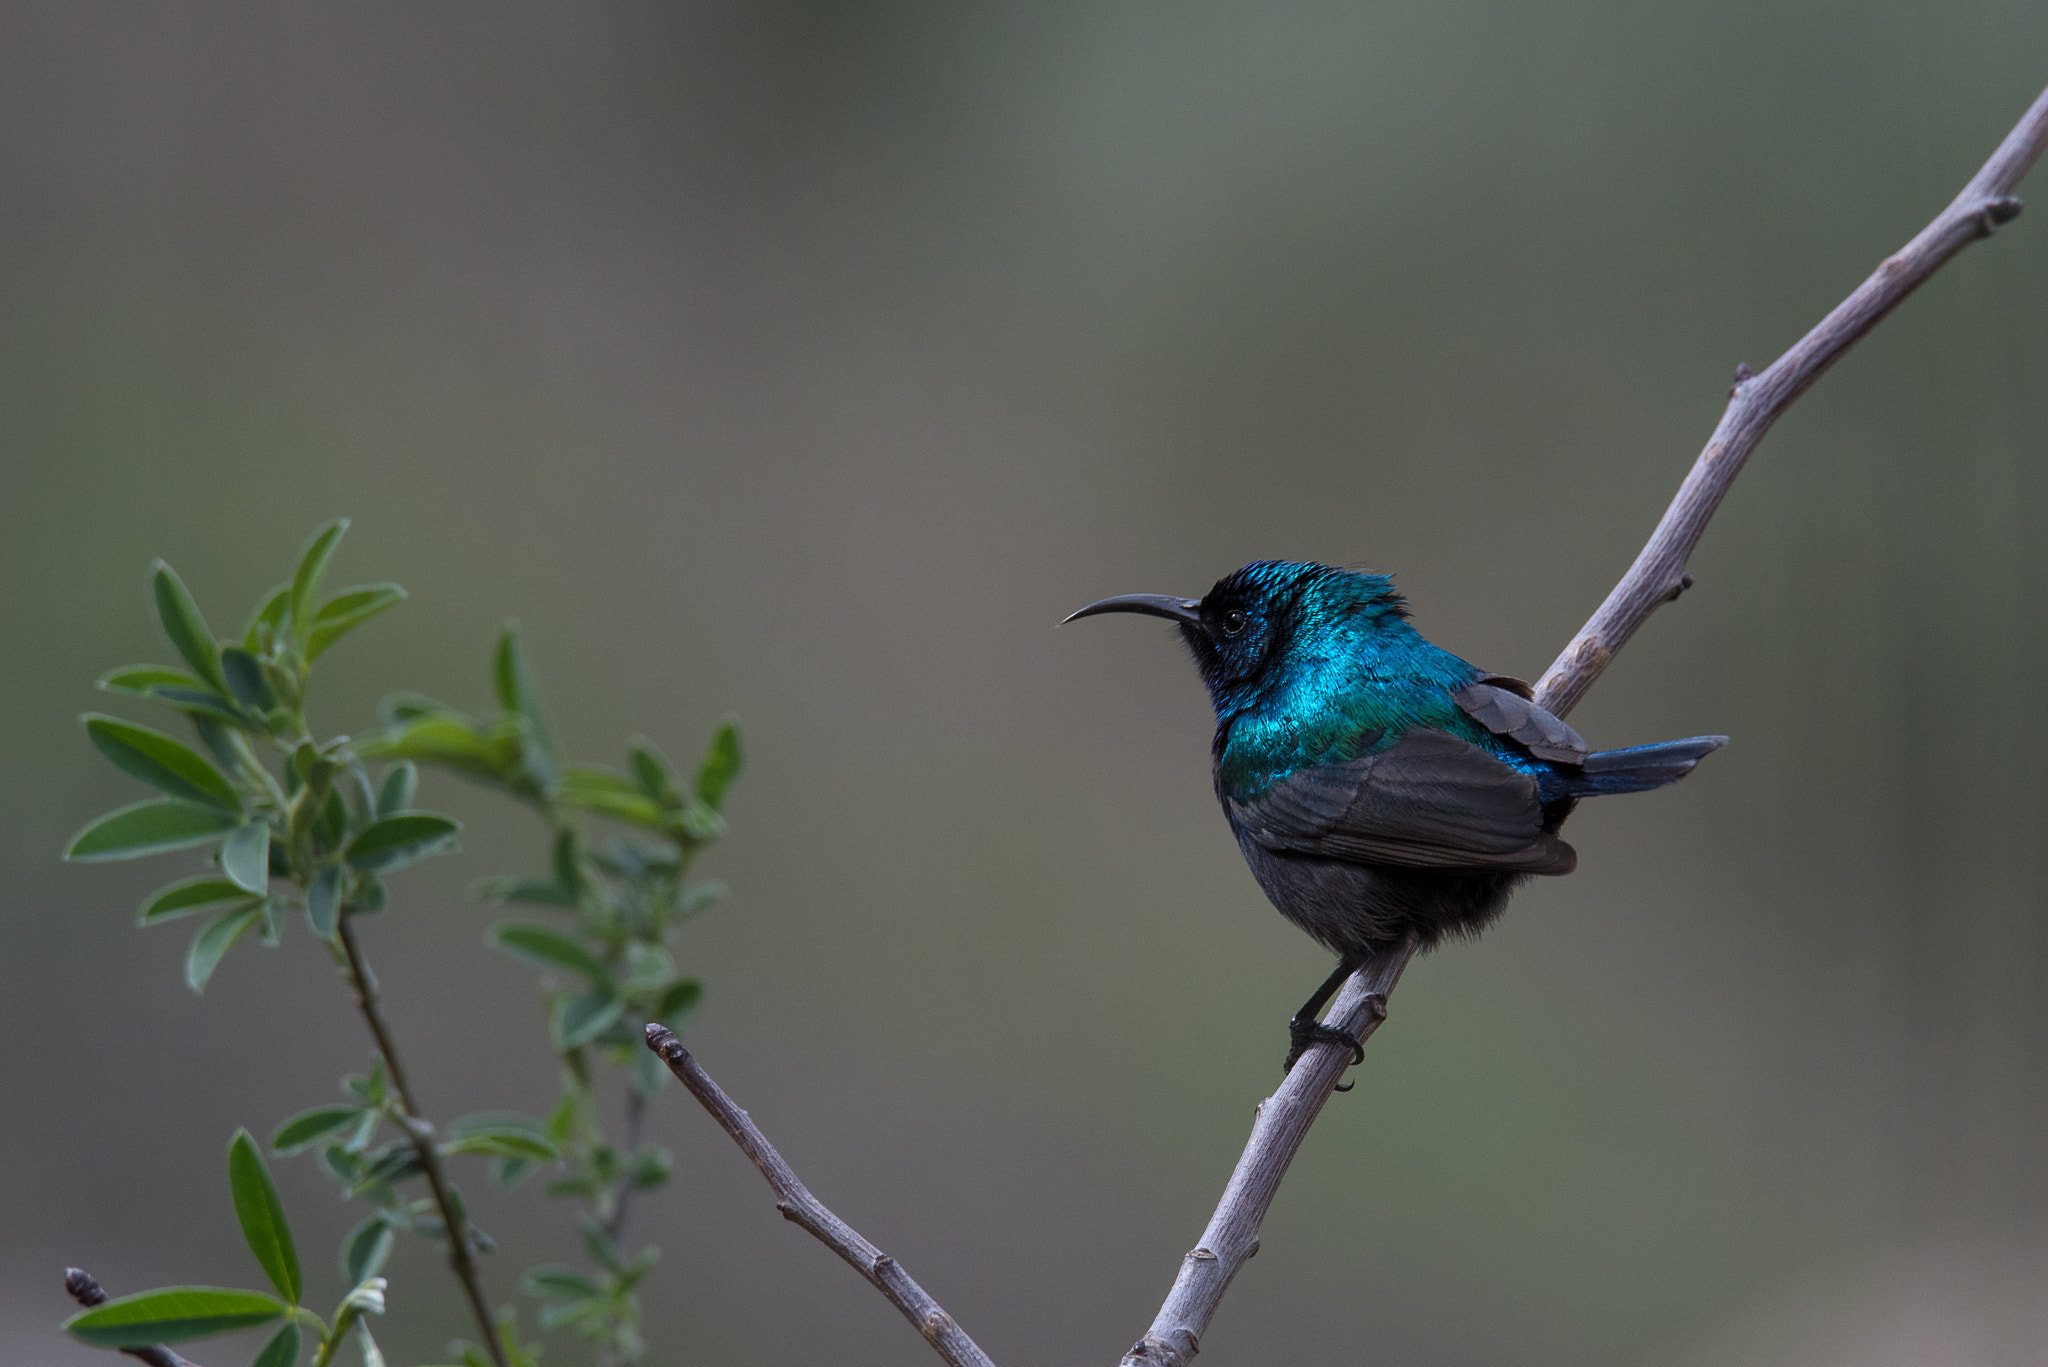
1186	611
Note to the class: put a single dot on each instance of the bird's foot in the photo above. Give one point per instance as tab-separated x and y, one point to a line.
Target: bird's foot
1304	1033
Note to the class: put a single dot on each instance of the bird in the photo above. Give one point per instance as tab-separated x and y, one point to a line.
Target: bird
1381	789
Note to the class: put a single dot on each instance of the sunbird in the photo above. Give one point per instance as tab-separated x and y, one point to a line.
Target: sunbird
1381	788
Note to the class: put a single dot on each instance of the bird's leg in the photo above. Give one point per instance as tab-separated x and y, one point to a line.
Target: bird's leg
1305	1031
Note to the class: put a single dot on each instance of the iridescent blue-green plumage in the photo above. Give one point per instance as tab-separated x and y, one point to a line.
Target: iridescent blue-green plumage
1380	787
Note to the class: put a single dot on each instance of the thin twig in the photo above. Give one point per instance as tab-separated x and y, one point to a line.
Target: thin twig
1278	1126
454	1223
1657	576
796	1203
87	1291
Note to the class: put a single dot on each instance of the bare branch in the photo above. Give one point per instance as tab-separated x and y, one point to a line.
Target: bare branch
796	1203
1658	574
87	1291
1657	577
1278	1127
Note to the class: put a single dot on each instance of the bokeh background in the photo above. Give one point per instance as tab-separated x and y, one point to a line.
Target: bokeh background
810	361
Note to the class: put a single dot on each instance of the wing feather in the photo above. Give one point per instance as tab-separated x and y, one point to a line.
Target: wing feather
1429	801
1508	711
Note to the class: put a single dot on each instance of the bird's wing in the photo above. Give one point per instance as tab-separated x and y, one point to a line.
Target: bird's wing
1504	707
1428	801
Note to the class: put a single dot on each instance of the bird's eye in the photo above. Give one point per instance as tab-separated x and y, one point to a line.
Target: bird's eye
1233	623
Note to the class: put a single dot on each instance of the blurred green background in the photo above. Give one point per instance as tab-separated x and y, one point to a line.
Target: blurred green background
811	361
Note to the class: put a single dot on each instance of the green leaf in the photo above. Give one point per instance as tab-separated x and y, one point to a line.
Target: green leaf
150	827
264	1226
172	688
558	1282
721	764
270	611
308	1128
499	1134
545	892
346	611
550	948
306	581
245	679
174	1314
516	690
138	680
186	629
323	901
364	1252
599	790
161	762
677	1001
332	823
245	856
449	739
650	1075
283	1348
372	1355
213	943
393	842
655	775
189	897
401	781
579	1020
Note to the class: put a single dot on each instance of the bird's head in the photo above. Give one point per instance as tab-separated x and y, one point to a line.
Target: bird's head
1266	616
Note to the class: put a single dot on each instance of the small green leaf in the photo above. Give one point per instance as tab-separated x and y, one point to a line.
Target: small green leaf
516	690
270	611
545	892
721	765
651	966
372	1355
346	611
245	679
579	1020
150	827
332	822
306	581
650	1075
264	1227
174	1314
599	790
187	898
138	680
393	842
186	629
161	762
401	781
213	943
448	739
557	1282
283	1348
245	856
677	1000
308	1128
364	1252
500	1134
323	901
655	775
550	948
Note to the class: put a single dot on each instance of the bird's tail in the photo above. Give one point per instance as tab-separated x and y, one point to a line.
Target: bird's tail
1640	767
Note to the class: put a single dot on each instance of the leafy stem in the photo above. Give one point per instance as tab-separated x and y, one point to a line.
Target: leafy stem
420	1134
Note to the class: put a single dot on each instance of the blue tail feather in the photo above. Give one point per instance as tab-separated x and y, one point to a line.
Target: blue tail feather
1636	769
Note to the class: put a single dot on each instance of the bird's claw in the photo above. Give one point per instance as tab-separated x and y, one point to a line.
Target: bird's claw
1305	1034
